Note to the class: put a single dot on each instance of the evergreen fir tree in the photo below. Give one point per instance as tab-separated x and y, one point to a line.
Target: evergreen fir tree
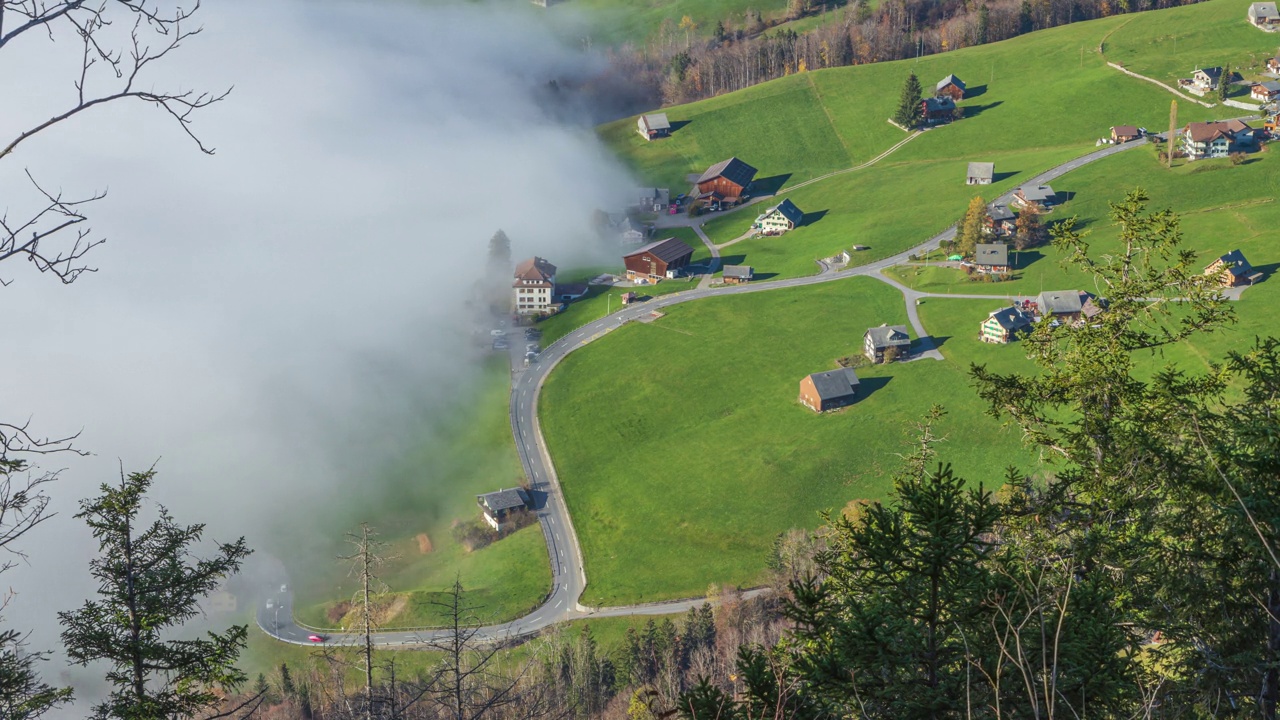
909	112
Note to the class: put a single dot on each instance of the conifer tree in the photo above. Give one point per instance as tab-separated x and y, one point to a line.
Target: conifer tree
909	113
150	583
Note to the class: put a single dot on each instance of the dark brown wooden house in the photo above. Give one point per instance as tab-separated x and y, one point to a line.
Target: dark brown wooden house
659	260
729	179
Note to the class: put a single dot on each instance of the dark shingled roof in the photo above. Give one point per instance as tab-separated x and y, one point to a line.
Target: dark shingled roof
1001	212
939	104
743	272
789	211
835	384
889	336
991	254
1011	318
667	251
504	500
1214	73
949	80
1236	264
733	170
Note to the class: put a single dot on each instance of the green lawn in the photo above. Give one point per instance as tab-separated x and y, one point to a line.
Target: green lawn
682	449
1172	43
462	451
613	22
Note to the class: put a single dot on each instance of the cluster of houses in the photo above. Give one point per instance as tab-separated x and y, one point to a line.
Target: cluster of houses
1062	306
834	389
535	291
1074	306
941	108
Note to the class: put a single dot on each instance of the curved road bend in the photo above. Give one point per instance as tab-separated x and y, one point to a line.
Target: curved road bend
568	577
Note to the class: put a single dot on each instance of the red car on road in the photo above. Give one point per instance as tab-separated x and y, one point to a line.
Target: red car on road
316	638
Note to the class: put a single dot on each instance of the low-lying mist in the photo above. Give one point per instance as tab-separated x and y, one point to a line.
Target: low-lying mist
272	323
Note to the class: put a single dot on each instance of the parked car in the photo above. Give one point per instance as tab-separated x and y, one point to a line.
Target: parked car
284	588
533	348
497	332
270	603
500	344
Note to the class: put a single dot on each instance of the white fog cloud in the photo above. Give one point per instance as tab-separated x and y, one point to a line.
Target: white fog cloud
260	313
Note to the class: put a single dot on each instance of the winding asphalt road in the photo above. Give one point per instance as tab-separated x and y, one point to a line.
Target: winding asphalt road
569	578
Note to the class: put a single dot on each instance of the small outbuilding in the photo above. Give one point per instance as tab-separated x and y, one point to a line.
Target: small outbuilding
1233	270
1124	133
886	343
653	126
980	173
628	298
829	390
991	258
951	87
500	508
738	274
780	218
1004	325
659	260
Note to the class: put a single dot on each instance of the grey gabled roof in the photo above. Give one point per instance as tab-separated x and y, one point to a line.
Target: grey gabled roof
889	336
667	250
657	121
743	272
1000	212
1236	264
1271	86
788	210
504	499
652	195
1060	302
835	383
1263	10
1036	193
991	254
733	170
982	170
949	80
1011	318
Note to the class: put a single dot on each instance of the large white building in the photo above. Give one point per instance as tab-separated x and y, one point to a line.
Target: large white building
534	285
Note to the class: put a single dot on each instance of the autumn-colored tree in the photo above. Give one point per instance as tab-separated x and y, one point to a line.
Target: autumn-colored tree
969	233
688	26
1030	232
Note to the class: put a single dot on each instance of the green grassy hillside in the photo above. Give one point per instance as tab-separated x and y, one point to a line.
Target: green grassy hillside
682	449
1035	101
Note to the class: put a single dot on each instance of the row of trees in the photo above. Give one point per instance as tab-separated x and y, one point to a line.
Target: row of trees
1029	230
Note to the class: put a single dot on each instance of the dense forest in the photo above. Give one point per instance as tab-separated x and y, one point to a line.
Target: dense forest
741	51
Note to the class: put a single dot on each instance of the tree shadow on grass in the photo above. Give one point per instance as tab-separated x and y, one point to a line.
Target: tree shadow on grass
770	185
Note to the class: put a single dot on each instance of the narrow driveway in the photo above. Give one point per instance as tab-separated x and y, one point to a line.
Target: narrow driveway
568	575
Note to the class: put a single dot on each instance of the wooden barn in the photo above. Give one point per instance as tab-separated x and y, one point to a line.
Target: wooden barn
729	179
659	260
829	390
